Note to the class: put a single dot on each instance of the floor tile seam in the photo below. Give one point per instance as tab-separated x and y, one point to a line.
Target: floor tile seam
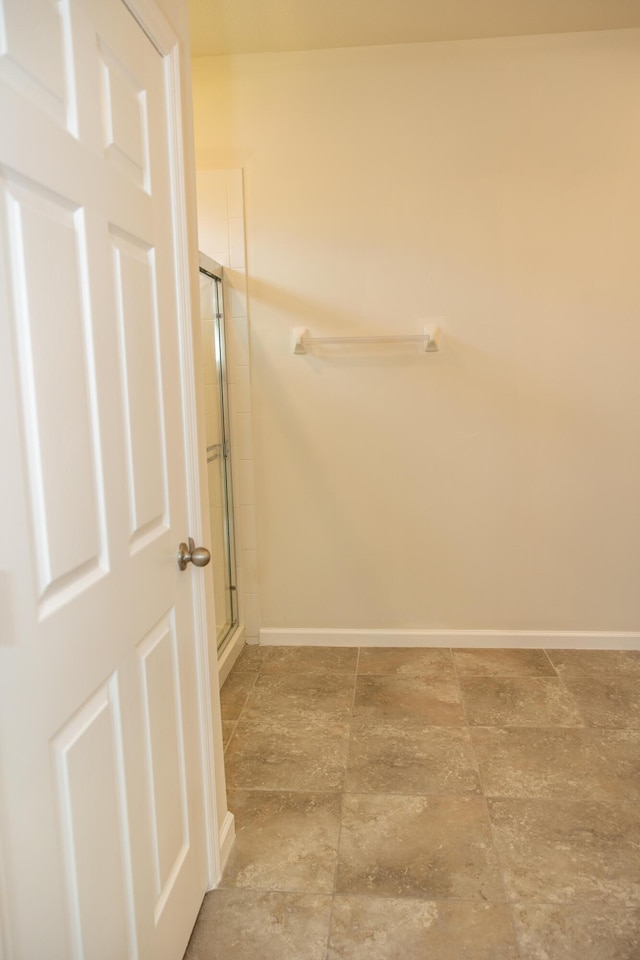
492	833
559	797
538	726
591	726
233	733
430	673
244	702
305	717
576	706
550	661
422	899
409	723
509	676
585	729
461	795
412	796
342	801
480	900
503	878
293	891
532	726
302	716
626	804
635	907
311	672
232	675
463	705
329	793
296	670
296	718
476	794
590	677
335	871
517	902
335	793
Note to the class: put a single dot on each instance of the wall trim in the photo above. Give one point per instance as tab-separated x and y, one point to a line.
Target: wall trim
532	639
231	652
225	840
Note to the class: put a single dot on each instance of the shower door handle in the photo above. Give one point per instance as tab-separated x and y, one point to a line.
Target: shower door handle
189	553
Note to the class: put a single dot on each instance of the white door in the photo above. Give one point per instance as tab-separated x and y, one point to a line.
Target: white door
102	852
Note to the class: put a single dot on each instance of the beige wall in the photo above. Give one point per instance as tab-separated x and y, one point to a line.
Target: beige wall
495	184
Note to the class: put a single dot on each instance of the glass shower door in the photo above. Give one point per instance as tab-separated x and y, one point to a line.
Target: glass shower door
218	439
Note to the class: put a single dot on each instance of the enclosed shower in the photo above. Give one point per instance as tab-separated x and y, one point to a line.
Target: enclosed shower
218	441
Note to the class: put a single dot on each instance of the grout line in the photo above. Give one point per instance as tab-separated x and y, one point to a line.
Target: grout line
342	799
235	727
248	694
552	664
492	832
479	901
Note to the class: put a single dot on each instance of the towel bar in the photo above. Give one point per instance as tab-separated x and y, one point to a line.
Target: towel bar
429	338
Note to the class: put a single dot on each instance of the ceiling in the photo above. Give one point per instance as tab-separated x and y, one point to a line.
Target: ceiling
259	26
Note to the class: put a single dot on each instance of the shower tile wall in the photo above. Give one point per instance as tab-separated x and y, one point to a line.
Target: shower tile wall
221	236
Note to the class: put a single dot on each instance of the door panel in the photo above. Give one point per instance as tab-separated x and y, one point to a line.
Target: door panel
101	819
33	54
160	672
92	809
124	117
68	546
138	327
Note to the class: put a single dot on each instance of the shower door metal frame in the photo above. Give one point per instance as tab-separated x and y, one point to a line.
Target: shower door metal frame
214	270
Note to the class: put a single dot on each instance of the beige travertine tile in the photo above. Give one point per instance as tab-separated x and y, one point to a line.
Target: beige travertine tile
430	847
502	663
563	851
376	928
434	700
234	693
410	735
611	702
252	658
410	758
271	755
255	925
284	841
406	661
311	660
577	932
579	764
596	663
518	702
323	697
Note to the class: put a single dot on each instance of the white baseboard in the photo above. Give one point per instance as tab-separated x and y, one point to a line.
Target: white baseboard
230	654
531	639
226	835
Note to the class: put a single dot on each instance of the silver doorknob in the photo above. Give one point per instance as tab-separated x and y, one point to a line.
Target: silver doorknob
189	553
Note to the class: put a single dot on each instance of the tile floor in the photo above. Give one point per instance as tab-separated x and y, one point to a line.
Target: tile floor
429	804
